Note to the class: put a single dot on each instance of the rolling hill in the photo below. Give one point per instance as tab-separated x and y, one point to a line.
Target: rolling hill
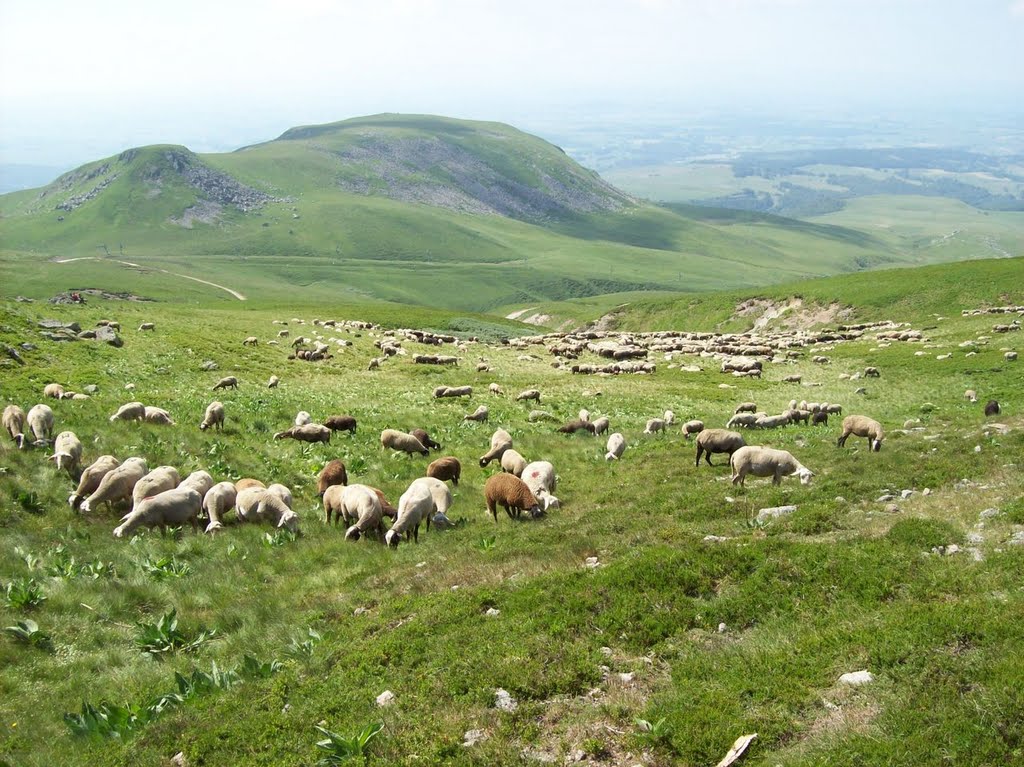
415	209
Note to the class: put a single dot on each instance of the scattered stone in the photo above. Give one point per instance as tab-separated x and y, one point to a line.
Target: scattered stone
892	508
726	386
730	499
626	677
990	514
360	611
857	678
179	760
575	756
947	550
839	499
91	388
926	491
1001	428
109	336
927	407
385	699
504	702
129	387
28	347
722	628
774	512
492	612
886	496
86	335
977	448
209	365
906	494
592	563
13	353
689	369
74	327
975	538
714	538
472	737
286	708
60	336
1017	539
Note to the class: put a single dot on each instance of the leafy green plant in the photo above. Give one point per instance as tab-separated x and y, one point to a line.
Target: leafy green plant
162	568
488	542
30	502
256	669
164	636
656	732
279	537
24	594
32	561
343	748
304	648
27	631
106	720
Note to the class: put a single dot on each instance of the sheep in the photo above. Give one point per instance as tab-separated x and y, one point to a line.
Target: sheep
415	505
540	415
311	432
117	484
479	415
820	359
131	411
447	468
159	479
217	502
766	462
147	326
358	504
527	395
340	423
171	507
747	420
746	407
832	409
67	452
333	473
273	382
540	477
584	415
1010	356
228	382
453	391
91	478
302	418
375	363
771	421
283	492
692	427
157	415
494	389
991	408
819	418
654	425
214	416
40	423
425	439
257	504
616	447
54	390
792	379
971	395
385	505
250	341
669	418
501	441
14	422
402	442
717	441
247	482
200	481
574	426
872	372
513	462
510	492
862	426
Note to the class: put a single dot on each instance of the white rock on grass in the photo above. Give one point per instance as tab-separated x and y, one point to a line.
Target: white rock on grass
857	678
385	699
774	512
492	612
504	702
472	737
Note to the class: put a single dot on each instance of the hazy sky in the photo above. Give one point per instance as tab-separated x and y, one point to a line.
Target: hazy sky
80	79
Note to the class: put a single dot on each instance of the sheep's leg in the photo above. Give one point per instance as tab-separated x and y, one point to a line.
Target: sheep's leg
699	451
493	509
777	478
841	442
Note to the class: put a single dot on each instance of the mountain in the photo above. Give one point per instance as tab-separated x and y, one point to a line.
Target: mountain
409	208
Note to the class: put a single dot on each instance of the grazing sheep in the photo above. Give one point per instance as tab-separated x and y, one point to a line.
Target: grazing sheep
248	482
540	477
54	390
214	416
1010	356
147	326
669	418
529	394
971	395
332	474
771	421
872	372
375	363
385	505
616	447
717	441
91	478
819	418
256	504
513	462
157	415
415	505
494	389
171	507
217	502
820	359
425	439
501	441
766	462
512	493
283	492
273	382
798	416
14	422
654	425
453	391
746	407
832	409
574	426
540	415
359	505
159	479
747	420
67	452
402	442
991	408
302	418
132	411
341	423
40	423
692	427
226	382
447	468
479	415
250	341
792	379
584	415
311	432
862	426
116	485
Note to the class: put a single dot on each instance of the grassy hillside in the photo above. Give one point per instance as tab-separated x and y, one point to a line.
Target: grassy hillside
622	631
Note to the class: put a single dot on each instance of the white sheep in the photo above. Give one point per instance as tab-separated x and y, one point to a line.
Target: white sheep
40	423
217	502
282	492
766	462
91	478
159	479
214	416
172	507
54	391
117	484
501	441
584	415
654	425
415	505
540	477
302	418
67	452
494	389
669	418
131	411
273	382
14	422
692	427
601	425
402	442
200	481
616	447
257	504
157	415
513	462
480	415
359	506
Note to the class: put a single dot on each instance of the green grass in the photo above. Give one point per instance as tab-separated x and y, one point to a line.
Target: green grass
310	630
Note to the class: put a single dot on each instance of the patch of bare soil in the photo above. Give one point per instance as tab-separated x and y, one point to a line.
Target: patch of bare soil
791	314
67	297
203	212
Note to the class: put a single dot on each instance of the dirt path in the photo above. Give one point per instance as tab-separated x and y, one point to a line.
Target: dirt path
235	293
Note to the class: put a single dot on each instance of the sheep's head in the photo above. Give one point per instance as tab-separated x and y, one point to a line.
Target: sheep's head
204	426
290	521
392	538
805	475
352	534
876	445
214	527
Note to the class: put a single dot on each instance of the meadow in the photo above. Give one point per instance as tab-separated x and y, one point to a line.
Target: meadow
624	634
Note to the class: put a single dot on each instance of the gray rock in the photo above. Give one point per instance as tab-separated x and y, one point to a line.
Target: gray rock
87	334
74	327
857	678
209	365
504	702
1017	539
472	737
989	514
13	354
906	494
774	512
60	336
91	389
26	346
385	699
109	336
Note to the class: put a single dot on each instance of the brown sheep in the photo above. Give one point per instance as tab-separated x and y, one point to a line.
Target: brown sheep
385	505
992	408
340	423
425	439
821	417
246	483
226	383
333	473
717	441
574	426
447	468
510	492
862	426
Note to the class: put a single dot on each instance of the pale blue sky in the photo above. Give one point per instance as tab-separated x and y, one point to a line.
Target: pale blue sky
79	80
